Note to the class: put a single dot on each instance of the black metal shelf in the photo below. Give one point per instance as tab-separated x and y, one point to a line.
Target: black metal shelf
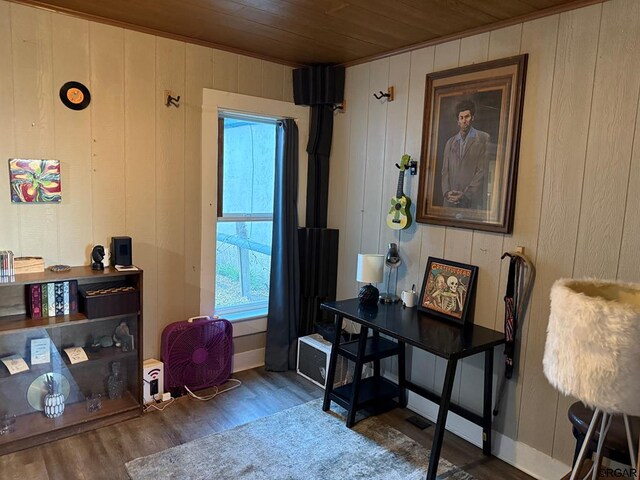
377	348
371	389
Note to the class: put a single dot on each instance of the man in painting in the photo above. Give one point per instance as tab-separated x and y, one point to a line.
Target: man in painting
465	162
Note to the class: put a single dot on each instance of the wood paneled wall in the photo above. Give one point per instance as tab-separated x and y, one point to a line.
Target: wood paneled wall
577	199
130	165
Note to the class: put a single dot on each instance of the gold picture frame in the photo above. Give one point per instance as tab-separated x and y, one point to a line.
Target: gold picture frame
470	145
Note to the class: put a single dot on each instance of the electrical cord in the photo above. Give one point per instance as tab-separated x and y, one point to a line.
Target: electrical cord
152	406
206	398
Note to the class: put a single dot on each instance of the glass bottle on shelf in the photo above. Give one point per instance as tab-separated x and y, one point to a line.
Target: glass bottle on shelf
115	384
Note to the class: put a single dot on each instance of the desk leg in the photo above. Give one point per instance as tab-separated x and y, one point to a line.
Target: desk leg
488	400
357	377
402	368
438	435
376	362
332	364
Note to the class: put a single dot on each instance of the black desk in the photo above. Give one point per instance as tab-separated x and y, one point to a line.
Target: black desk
408	326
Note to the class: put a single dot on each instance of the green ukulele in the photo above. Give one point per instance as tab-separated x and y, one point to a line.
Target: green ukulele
399	216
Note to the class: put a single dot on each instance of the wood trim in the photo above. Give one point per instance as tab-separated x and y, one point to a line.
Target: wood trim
153	31
475	31
220	164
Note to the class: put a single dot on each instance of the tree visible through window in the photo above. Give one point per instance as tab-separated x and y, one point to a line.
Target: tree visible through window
246	165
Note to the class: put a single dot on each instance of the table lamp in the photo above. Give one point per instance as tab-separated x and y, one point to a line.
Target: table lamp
393	261
370	270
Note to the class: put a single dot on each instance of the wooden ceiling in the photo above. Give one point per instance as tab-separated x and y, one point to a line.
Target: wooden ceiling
302	32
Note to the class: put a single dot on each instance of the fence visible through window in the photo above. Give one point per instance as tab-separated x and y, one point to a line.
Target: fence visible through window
245	219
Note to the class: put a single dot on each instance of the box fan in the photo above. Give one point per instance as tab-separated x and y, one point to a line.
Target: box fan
197	353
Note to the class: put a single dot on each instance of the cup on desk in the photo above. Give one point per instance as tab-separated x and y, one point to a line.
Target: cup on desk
409	298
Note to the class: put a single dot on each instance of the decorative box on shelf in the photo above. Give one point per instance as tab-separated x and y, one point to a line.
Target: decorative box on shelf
108	299
28	265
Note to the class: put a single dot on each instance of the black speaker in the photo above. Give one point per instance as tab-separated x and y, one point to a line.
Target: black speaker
121	251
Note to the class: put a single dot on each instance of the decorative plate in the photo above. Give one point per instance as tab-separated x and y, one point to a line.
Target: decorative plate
38	389
59	268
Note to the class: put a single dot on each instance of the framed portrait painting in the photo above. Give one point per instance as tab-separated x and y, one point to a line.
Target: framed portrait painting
470	144
448	290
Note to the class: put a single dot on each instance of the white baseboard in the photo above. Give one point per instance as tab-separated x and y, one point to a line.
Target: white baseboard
248	360
521	456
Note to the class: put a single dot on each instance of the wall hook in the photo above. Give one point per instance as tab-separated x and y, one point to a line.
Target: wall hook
380	95
340	106
171	100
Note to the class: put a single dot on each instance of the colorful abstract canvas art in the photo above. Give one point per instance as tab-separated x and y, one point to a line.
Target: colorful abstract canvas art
34	181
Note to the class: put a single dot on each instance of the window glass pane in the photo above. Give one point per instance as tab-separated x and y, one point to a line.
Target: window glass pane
243	263
249	163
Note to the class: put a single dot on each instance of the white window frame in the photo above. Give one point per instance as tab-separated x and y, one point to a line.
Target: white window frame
213	103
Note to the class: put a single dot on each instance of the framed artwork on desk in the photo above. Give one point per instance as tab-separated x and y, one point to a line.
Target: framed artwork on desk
448	290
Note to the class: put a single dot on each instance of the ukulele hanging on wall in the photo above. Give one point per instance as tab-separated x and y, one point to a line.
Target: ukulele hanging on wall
399	216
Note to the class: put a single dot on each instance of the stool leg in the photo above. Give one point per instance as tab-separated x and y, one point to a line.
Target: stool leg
604	429
587	440
632	455
579	442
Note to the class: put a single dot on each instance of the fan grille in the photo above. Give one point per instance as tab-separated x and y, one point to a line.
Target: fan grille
197	355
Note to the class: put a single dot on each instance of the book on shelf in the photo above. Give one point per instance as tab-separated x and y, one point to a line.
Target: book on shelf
51	296
7	263
52	299
35	300
45	300
59	299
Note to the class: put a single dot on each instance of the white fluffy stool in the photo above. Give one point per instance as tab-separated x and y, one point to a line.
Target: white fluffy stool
592	352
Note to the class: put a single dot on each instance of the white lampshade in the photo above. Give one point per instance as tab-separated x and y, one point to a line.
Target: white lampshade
370	268
592	351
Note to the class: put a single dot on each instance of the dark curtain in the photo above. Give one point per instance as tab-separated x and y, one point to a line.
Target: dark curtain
284	292
319	86
319	148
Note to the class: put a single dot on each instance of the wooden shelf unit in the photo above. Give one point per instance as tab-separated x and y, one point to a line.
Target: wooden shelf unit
17	330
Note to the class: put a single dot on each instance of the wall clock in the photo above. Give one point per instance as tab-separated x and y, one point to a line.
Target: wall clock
75	95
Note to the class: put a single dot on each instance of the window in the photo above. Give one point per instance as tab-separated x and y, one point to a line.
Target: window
249	312
246	167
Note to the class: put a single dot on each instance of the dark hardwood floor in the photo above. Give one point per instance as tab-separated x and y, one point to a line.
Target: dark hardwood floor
101	454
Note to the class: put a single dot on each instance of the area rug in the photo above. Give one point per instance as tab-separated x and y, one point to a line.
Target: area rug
302	442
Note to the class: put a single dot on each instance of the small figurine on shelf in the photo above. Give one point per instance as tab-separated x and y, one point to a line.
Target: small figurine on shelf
121	333
94	402
115	384
7	424
54	399
97	256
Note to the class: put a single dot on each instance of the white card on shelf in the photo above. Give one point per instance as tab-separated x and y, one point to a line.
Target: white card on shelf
127	268
40	351
15	364
76	354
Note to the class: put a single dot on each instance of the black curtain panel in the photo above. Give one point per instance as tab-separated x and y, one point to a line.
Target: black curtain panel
319	148
284	292
321	87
